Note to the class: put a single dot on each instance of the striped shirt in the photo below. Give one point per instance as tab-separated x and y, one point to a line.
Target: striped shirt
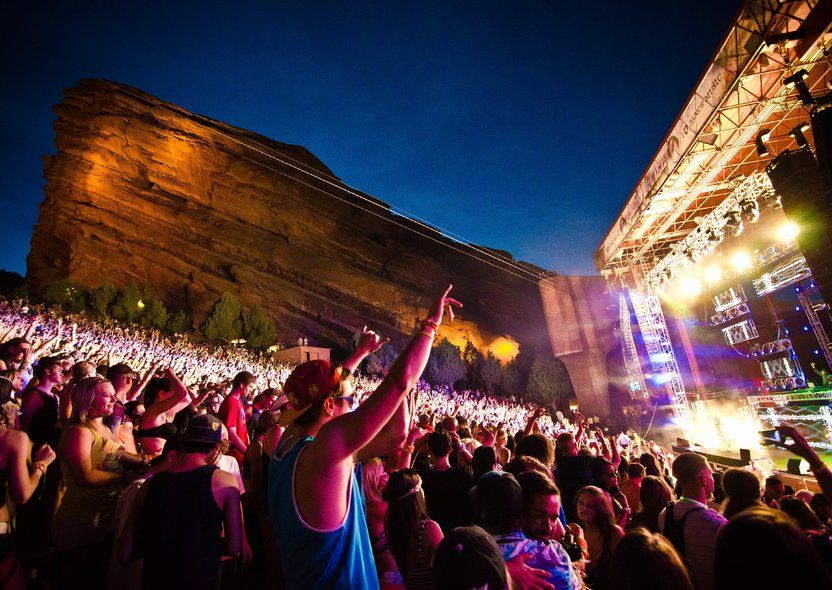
701	530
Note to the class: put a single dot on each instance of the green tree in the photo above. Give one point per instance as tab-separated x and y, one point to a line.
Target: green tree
259	329
226	319
489	372
510	380
128	305
445	365
155	314
100	299
548	381
71	296
179	323
381	360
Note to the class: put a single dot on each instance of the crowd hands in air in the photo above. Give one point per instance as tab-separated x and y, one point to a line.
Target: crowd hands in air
135	461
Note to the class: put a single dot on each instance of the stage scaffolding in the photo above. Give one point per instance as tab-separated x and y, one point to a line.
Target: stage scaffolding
631	360
803	296
660	351
709	162
809	409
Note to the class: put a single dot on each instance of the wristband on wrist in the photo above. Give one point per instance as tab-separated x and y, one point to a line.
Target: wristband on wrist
427	322
40	466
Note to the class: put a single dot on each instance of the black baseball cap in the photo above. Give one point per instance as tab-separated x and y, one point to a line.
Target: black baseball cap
204	428
468	558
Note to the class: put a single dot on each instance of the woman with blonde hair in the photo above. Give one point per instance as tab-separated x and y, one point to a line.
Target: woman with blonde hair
374	481
93	461
594	510
412	535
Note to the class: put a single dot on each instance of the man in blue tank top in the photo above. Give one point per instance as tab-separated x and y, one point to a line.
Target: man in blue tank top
315	497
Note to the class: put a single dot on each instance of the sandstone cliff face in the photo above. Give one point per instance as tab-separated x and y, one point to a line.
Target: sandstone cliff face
143	191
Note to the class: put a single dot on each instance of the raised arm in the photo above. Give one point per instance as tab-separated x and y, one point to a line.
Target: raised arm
344	436
800	447
23	481
138	388
368	343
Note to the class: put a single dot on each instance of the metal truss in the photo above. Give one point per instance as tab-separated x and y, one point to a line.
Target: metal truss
712	140
755	401
631	361
710	232
814	321
660	350
815	423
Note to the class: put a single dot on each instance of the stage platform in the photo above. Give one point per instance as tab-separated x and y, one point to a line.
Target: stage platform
768	458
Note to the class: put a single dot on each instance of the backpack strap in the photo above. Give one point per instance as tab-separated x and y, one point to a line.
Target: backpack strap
674	529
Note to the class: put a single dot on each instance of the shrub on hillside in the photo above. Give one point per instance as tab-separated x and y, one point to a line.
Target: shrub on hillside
226	319
259	329
128	306
445	366
69	295
100	299
154	314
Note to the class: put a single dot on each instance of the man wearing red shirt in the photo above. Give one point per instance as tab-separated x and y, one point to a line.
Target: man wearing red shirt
233	414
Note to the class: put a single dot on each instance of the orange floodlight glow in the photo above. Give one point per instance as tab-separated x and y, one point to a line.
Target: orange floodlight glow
505	349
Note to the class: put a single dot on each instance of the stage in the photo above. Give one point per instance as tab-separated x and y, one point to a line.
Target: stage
770	460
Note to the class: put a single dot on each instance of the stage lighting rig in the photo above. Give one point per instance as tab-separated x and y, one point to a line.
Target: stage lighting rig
750	210
733	222
760	142
798	81
799	134
714	235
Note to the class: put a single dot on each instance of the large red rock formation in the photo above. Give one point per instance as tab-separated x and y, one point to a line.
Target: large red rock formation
143	191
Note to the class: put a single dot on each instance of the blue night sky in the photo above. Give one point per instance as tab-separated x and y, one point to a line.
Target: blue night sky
518	125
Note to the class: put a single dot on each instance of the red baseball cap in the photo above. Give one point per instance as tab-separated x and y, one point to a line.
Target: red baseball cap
309	382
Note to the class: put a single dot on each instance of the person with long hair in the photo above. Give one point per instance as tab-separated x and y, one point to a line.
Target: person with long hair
654	496
742	490
412	535
93	461
596	515
641	552
374	481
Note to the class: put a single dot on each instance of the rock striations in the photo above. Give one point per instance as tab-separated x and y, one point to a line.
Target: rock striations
143	191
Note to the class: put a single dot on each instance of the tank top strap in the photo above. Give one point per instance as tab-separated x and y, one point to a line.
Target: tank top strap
420	541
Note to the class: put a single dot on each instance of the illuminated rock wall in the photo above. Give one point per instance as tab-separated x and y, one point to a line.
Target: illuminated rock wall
144	191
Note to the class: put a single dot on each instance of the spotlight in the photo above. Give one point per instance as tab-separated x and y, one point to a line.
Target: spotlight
798	134
770	199
741	261
760	142
733	222
714	234
789	231
750	210
798	81
713	274
689	287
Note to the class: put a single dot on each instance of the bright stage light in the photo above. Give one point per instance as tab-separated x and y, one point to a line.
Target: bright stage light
789	231
741	261
713	274
689	287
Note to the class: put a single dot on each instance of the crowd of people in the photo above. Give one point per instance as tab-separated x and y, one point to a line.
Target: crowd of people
132	460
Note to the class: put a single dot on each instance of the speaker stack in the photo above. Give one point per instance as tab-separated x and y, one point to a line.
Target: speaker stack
804	184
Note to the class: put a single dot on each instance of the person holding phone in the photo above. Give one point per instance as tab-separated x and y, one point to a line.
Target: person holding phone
791	440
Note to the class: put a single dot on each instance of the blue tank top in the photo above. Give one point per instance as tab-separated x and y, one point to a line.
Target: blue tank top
340	558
